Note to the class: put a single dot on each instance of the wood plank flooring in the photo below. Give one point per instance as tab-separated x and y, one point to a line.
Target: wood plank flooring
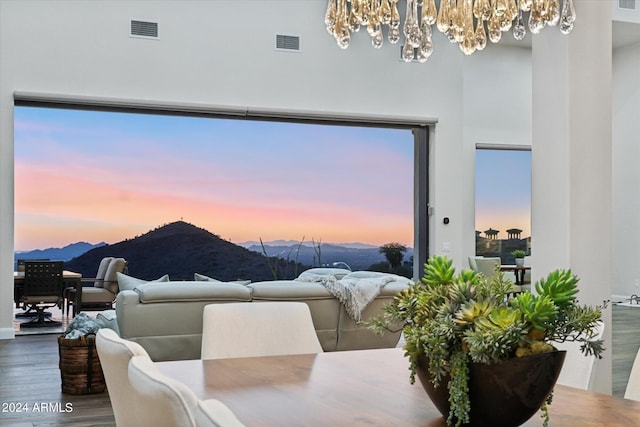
626	341
30	378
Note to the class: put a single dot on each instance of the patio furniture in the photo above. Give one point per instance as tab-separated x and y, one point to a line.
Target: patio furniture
17	291
103	293
69	293
42	289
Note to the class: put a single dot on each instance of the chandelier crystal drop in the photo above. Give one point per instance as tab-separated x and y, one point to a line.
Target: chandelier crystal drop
468	23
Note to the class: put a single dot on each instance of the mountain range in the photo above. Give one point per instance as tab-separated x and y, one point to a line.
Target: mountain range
62	254
180	249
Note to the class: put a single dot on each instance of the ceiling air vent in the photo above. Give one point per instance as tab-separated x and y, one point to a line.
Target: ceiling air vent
288	43
144	29
627	4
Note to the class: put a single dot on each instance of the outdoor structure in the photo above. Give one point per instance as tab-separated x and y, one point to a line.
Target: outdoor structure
574	98
491	234
514	233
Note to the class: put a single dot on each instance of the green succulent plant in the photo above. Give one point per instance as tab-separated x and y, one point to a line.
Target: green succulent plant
455	319
519	253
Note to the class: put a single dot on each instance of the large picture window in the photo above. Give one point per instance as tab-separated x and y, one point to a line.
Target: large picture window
94	175
503	202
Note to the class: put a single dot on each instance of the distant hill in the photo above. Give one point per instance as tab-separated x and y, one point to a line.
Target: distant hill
356	258
352	245
181	249
58	254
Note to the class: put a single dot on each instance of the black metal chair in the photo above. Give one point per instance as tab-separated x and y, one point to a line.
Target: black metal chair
42	289
17	289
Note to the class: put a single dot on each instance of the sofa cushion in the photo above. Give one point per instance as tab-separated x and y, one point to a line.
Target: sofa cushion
290	290
110	277
192	291
91	295
127	283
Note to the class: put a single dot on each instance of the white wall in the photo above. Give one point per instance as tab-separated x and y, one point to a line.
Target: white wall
626	170
219	53
496	110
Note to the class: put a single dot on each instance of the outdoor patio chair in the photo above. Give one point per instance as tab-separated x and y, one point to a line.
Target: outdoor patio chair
102	270
490	268
258	329
42	289
102	293
17	293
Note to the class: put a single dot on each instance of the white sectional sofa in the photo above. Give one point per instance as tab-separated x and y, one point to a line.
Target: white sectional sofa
166	317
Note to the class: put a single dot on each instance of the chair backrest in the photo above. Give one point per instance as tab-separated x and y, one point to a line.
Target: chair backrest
20	263
43	279
258	329
488	266
102	270
472	262
163	401
117	265
633	385
527	273
577	370
115	354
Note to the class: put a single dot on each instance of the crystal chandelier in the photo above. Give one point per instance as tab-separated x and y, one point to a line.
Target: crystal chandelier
462	21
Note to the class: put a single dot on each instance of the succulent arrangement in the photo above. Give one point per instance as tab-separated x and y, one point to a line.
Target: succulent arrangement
456	319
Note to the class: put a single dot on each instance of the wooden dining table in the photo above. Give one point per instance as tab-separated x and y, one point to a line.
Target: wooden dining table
518	271
357	388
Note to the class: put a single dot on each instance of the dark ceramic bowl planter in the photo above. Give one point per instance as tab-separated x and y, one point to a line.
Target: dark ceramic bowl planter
505	394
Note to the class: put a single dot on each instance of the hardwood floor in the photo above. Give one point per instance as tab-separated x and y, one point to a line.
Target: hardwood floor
30	379
31	383
626	341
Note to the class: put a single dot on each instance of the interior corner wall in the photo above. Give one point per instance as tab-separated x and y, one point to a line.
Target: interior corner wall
626	174
496	110
223	53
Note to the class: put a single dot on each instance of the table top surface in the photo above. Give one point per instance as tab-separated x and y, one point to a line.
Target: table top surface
357	388
66	274
514	267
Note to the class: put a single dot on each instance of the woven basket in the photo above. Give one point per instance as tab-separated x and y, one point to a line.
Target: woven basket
80	368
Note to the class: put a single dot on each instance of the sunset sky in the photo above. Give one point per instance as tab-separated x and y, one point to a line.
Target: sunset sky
503	191
100	176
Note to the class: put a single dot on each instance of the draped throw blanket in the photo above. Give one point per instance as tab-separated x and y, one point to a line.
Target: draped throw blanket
355	293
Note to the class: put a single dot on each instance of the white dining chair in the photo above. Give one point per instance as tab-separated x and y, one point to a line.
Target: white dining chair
633	385
577	370
165	402
488	266
472	262
258	329
115	354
